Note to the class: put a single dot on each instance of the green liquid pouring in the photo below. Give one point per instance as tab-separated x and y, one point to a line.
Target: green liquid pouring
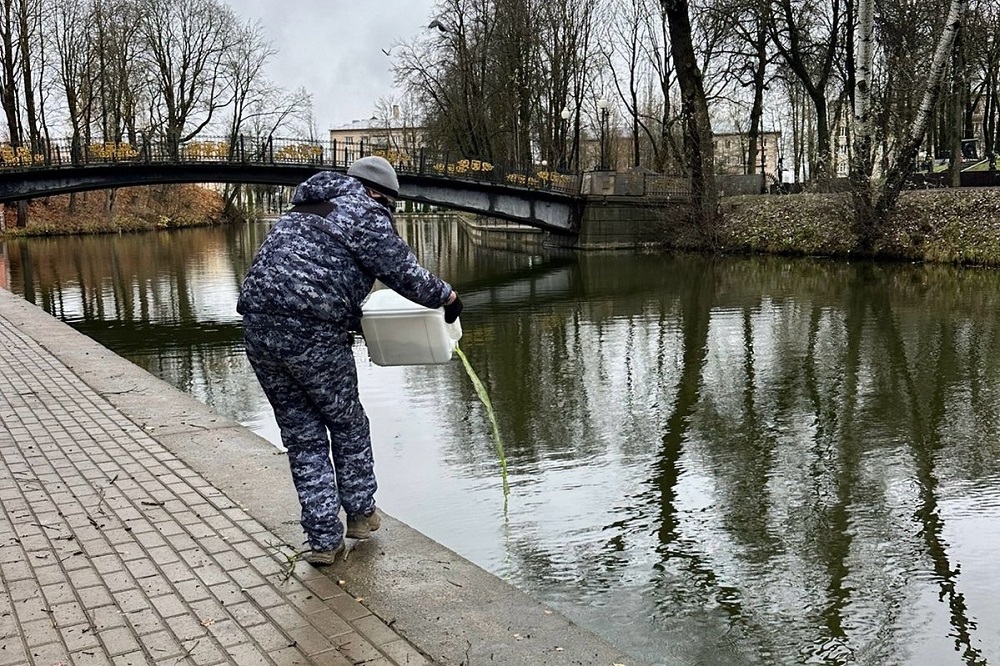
481	391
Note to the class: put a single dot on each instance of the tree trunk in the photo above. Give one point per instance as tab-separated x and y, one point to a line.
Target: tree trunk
757	110
25	39
8	94
699	147
862	159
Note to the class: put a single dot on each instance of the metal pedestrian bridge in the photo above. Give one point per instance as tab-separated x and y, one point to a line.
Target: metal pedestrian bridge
539	198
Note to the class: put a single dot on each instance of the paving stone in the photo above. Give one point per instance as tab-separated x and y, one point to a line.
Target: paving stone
92	597
403	653
248	655
228	633
161	645
202	651
128	556
375	630
310	640
51	653
144	622
335	658
329	623
12	654
80	637
289	657
187	627
36	632
90	657
270	637
119	640
169	605
356	648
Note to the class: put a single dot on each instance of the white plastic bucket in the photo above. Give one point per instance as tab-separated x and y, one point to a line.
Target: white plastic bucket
398	331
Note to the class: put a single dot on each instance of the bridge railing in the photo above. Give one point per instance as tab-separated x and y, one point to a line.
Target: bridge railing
270	150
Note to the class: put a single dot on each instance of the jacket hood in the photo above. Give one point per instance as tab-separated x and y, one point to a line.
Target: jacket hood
325	186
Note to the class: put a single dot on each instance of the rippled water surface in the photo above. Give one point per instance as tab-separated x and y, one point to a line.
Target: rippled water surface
712	460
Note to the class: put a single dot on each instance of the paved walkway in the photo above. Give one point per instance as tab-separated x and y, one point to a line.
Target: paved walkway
114	551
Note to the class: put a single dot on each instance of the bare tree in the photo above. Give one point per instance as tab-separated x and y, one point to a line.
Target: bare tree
446	70
29	38
661	119
10	83
748	54
875	199
70	22
579	62
492	77
185	42
809	39
560	36
625	25
243	70
120	70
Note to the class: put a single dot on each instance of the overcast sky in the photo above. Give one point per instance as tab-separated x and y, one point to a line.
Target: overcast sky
333	48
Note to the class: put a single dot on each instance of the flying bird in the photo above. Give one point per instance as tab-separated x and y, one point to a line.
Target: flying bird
440	26
386	52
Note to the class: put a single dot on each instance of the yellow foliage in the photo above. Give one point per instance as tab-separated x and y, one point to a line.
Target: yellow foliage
298	152
206	150
393	156
109	150
522	179
555	178
21	156
463	166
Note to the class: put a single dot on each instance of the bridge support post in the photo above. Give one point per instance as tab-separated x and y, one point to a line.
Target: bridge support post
22	214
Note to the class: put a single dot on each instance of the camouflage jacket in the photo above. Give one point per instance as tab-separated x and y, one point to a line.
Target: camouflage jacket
313	267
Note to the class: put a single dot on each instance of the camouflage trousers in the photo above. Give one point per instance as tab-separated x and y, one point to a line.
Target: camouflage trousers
308	374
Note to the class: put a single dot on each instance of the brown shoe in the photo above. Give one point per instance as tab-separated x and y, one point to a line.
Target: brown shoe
361	527
322	558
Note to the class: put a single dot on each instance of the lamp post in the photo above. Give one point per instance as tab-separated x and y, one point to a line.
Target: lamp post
602	108
564	114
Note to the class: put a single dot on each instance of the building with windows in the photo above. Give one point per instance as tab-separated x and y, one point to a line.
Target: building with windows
732	148
393	136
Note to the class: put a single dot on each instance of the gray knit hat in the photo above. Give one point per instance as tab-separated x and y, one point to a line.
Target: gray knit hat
376	173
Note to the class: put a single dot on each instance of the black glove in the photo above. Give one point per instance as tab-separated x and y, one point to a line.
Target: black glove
452	310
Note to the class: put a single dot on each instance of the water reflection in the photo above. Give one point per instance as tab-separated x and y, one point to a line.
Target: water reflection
745	461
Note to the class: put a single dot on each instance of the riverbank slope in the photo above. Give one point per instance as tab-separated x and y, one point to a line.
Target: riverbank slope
112	211
958	226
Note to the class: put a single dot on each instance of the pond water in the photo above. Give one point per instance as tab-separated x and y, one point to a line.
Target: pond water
711	460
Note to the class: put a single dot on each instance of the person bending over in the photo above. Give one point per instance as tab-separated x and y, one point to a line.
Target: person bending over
301	301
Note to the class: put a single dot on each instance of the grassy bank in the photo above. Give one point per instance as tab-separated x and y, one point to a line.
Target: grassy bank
959	226
126	209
